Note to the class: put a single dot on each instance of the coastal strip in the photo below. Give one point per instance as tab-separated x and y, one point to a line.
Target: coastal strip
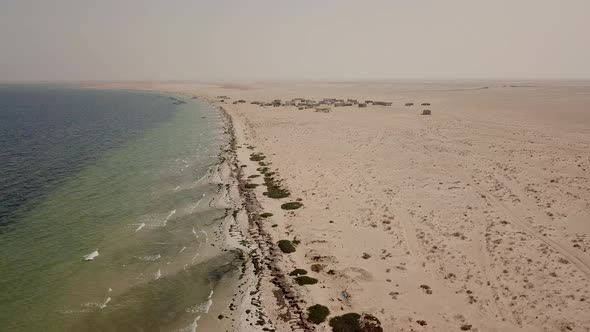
261	264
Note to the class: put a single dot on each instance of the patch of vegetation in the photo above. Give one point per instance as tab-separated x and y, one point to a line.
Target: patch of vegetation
353	322
286	246
274	191
426	289
298	272
296	241
291	206
263	170
305	280
274	225
274	188
257	156
250	185
317	313
266	215
317	267
254	176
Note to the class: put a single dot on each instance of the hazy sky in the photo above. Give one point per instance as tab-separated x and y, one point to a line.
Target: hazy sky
288	39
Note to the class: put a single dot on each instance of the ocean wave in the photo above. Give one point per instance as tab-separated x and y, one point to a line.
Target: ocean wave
197	204
173	212
98	305
155	220
91	256
149	258
192	327
202	307
142	225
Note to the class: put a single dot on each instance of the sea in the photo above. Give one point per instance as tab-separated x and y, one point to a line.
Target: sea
108	217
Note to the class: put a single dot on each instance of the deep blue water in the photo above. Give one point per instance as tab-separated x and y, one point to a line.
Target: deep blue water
48	133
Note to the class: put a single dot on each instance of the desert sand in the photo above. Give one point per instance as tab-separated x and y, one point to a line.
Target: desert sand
476	217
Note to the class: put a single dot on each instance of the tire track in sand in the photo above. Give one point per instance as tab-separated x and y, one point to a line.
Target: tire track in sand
510	214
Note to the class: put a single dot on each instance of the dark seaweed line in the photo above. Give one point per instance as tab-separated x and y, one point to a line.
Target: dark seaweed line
265	257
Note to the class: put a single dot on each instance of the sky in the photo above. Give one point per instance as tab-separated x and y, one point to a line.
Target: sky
73	40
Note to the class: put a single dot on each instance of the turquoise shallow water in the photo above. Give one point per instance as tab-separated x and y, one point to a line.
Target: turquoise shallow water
116	175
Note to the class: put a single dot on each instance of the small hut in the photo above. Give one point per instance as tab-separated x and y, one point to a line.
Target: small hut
382	103
323	109
426	112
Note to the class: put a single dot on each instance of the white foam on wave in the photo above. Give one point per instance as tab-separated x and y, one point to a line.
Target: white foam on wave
91	256
101	305
157	275
142	225
197	204
195	257
203	177
192	327
156	220
104	304
181	250
200	308
168	217
150	258
206	235
177	187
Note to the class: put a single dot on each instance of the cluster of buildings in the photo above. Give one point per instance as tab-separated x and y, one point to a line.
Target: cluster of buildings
323	105
302	103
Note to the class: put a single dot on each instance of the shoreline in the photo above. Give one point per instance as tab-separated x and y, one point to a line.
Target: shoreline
463	219
263	257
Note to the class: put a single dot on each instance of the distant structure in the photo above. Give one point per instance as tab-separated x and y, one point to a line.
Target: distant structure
322	105
409	104
382	103
425	104
426	112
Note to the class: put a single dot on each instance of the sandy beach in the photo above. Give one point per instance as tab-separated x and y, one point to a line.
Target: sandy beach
473	218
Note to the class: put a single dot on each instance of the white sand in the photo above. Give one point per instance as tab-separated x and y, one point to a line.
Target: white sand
486	202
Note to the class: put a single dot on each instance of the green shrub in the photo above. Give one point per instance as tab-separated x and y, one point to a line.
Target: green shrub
286	246
351	322
274	191
262	170
250	185
317	313
266	215
291	206
305	280
298	272
257	157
